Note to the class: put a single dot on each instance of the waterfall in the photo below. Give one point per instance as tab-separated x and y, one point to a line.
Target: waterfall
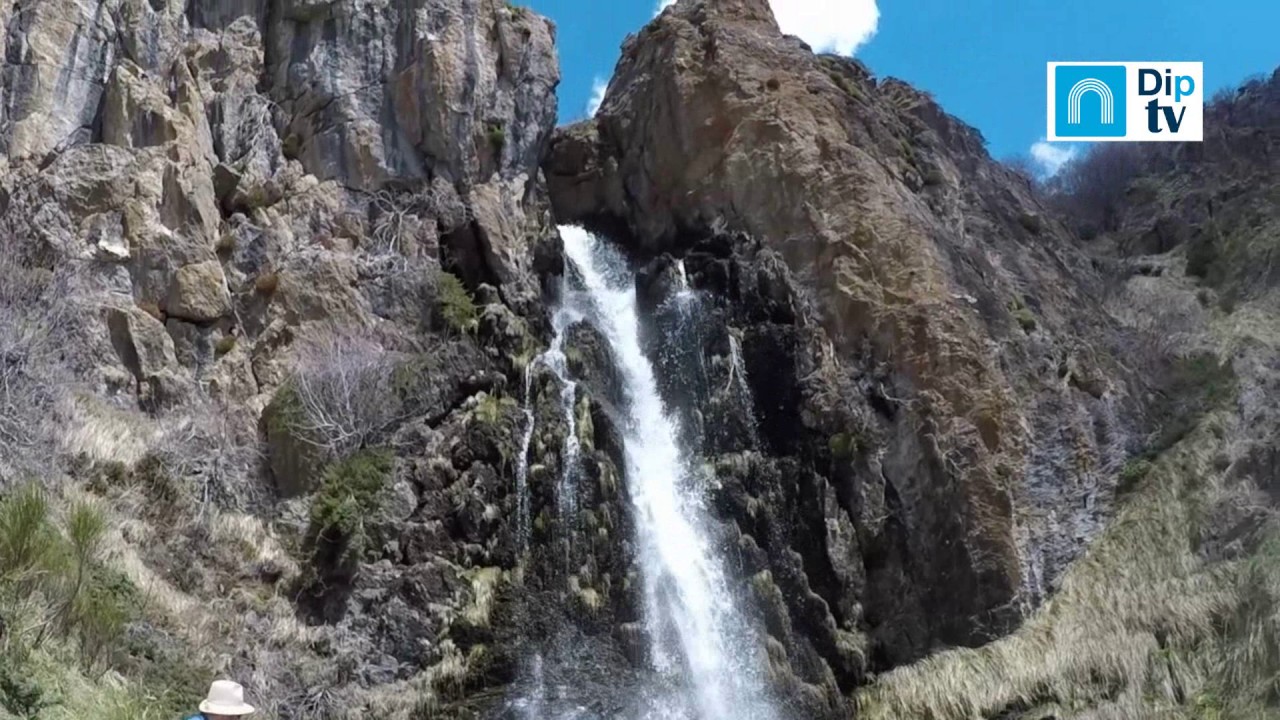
554	358
567	491
741	388
699	643
523	522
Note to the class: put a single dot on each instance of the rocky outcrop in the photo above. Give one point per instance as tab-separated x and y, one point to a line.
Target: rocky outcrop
210	191
922	341
279	274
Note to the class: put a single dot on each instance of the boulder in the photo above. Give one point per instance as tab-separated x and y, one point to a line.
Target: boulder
141	342
198	293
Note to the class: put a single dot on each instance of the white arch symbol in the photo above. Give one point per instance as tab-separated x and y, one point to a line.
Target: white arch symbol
1077	94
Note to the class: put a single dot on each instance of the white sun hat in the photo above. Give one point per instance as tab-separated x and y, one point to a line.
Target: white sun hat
225	698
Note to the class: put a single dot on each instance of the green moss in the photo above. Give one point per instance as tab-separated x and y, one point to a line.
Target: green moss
844	446
1026	320
585	425
1132	473
492	409
457	308
225	344
1023	315
497	135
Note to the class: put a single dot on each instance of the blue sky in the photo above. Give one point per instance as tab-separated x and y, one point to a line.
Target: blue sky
983	59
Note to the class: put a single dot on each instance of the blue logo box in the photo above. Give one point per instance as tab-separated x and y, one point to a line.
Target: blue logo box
1090	101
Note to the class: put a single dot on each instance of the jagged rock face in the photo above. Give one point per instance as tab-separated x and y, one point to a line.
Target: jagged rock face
216	183
198	113
924	341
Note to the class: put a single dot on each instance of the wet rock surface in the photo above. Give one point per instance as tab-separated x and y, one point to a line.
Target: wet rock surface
901	328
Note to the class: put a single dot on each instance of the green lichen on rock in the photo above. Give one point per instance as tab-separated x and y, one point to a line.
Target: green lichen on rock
492	409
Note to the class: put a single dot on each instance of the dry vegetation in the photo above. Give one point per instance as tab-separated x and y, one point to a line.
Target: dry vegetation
343	399
1174	612
33	379
1143	626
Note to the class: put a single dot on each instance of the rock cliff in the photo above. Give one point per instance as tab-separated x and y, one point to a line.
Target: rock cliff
923	339
246	247
287	392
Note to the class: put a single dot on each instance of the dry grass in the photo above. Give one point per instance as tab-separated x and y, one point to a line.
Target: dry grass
1146	624
1137	600
103	433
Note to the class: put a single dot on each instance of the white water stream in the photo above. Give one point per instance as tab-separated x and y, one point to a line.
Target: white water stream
698	642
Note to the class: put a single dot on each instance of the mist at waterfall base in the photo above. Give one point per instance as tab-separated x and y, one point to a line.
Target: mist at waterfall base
703	660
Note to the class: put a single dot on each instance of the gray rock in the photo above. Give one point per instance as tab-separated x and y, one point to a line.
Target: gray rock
199	293
140	340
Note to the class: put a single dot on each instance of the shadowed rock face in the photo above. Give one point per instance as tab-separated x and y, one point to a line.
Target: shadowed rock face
929	323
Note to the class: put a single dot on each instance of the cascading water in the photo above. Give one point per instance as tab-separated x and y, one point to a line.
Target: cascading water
567	495
699	644
740	389
522	463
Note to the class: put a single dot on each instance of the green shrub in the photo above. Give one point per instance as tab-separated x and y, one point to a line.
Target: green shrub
1202	254
844	445
1132	473
101	612
497	135
1031	222
30	547
1191	387
456	306
153	477
20	694
225	344
351	492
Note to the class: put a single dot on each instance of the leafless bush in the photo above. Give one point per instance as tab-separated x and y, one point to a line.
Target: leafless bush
343	387
397	215
1089	187
215	445
33	320
1163	323
1025	168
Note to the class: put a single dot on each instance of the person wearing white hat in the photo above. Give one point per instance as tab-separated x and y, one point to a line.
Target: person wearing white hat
225	702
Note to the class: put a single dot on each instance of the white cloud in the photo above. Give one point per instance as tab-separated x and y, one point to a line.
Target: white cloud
1050	157
839	26
598	88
